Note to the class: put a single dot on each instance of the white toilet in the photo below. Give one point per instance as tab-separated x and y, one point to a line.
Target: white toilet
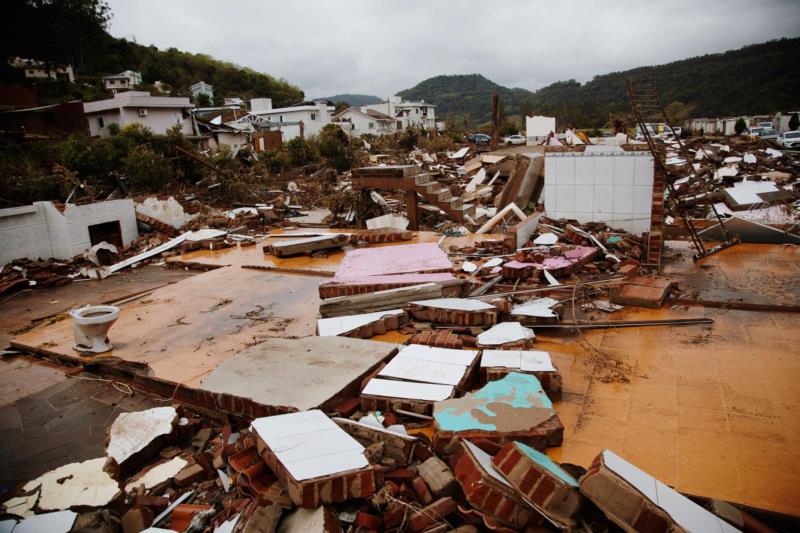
91	325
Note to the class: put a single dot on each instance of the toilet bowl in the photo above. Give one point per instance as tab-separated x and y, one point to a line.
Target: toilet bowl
91	325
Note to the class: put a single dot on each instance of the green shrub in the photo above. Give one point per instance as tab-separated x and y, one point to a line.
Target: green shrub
740	126
301	152
146	170
334	147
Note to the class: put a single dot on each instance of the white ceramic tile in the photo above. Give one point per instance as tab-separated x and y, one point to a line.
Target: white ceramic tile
685	512
536	361
603	170
313	444
329	327
565	198
643	170
440	355
584	170
642	199
500	358
423	371
407	390
565	167
642	481
604	200
550	174
271	427
623	201
624	170
461	304
584	199
326	465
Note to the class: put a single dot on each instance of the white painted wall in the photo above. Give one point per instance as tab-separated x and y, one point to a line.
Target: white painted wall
359	124
314	119
159	120
42	231
538	127
611	187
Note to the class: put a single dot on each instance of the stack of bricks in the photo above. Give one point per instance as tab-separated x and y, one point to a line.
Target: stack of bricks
542	482
442	339
655	239
378	236
488	492
454	317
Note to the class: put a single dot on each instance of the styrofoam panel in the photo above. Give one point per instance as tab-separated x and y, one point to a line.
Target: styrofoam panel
624	168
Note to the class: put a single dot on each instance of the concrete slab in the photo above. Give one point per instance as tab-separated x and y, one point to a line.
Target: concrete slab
300	373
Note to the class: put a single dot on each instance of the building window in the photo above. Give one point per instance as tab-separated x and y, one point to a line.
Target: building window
281	117
372	125
313	116
399	125
111	82
101	123
417	110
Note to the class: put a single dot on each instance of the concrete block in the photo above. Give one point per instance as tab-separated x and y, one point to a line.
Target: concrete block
438	477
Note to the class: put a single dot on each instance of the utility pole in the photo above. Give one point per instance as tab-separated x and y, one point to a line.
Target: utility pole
495	119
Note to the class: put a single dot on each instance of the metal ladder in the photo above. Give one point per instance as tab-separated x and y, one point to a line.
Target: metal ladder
646	104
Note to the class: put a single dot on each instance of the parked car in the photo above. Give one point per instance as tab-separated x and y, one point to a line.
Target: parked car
789	139
767	134
667	133
514	139
480	138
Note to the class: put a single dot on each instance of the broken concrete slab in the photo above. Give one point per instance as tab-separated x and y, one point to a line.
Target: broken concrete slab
156	474
428	364
135	437
292	373
496	364
387	394
512	408
83	484
641	292
301	374
362	326
454	311
489	492
379	297
319	520
397	446
541	481
636	501
506	335
316	460
307	245
438	477
58	522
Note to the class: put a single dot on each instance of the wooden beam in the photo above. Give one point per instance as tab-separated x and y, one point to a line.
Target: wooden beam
412	210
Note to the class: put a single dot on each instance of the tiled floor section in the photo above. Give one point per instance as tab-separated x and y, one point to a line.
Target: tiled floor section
714	411
61	424
20	377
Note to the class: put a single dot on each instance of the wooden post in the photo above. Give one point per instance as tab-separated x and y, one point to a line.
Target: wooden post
495	119
302	130
413	210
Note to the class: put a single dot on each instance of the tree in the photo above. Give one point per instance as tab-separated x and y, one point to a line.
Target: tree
794	122
202	100
740	126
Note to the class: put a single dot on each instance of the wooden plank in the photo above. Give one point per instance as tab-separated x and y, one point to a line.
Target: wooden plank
392	171
383	300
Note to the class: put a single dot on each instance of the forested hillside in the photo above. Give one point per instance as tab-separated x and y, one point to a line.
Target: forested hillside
354	99
756	79
74	31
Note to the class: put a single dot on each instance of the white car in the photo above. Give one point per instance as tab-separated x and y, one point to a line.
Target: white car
514	139
789	139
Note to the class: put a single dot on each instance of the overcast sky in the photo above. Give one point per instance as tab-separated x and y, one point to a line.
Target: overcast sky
376	47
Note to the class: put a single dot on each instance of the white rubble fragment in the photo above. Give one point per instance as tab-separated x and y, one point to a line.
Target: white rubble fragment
503	333
132	432
77	484
158	474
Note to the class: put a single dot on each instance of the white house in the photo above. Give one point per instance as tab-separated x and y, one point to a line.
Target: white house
358	121
408	114
313	115
538	128
781	120
43	70
201	87
124	80
159	113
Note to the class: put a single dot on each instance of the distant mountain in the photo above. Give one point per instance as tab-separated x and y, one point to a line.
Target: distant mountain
755	79
355	99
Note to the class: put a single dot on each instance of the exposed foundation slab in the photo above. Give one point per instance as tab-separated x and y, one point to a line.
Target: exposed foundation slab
298	373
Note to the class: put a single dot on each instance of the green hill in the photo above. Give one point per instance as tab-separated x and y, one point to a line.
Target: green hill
355	99
755	79
74	31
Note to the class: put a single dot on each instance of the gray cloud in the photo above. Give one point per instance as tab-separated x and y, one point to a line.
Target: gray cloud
376	47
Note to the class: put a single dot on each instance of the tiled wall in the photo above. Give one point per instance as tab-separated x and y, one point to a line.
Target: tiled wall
612	187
